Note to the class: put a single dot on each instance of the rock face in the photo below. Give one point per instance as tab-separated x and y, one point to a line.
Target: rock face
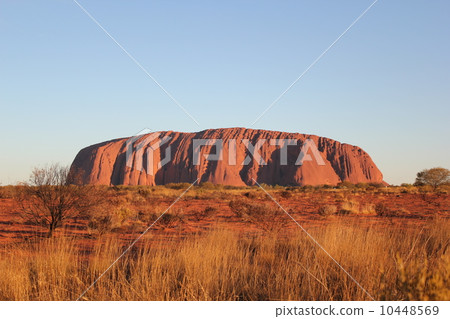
243	156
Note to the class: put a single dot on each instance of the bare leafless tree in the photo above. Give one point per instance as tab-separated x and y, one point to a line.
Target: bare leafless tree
53	195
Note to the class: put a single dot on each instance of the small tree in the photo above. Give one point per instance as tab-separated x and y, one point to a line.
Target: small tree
434	177
52	196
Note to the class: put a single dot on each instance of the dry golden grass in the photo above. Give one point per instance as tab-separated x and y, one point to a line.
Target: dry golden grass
391	263
228	263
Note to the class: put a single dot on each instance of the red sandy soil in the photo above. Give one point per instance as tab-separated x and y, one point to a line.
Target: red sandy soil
301	206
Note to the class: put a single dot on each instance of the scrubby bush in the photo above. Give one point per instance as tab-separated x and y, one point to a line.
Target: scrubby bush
382	210
124	213
177	185
266	217
170	220
349	207
209	211
209	185
307	188
161	220
100	224
204	214
251	195
285	194
367	209
145	192
346	184
402	213
6	192
327	210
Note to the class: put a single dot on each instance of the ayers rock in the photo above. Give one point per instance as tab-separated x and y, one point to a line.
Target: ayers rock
107	163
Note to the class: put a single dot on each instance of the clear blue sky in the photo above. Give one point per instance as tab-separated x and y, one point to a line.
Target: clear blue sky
385	86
